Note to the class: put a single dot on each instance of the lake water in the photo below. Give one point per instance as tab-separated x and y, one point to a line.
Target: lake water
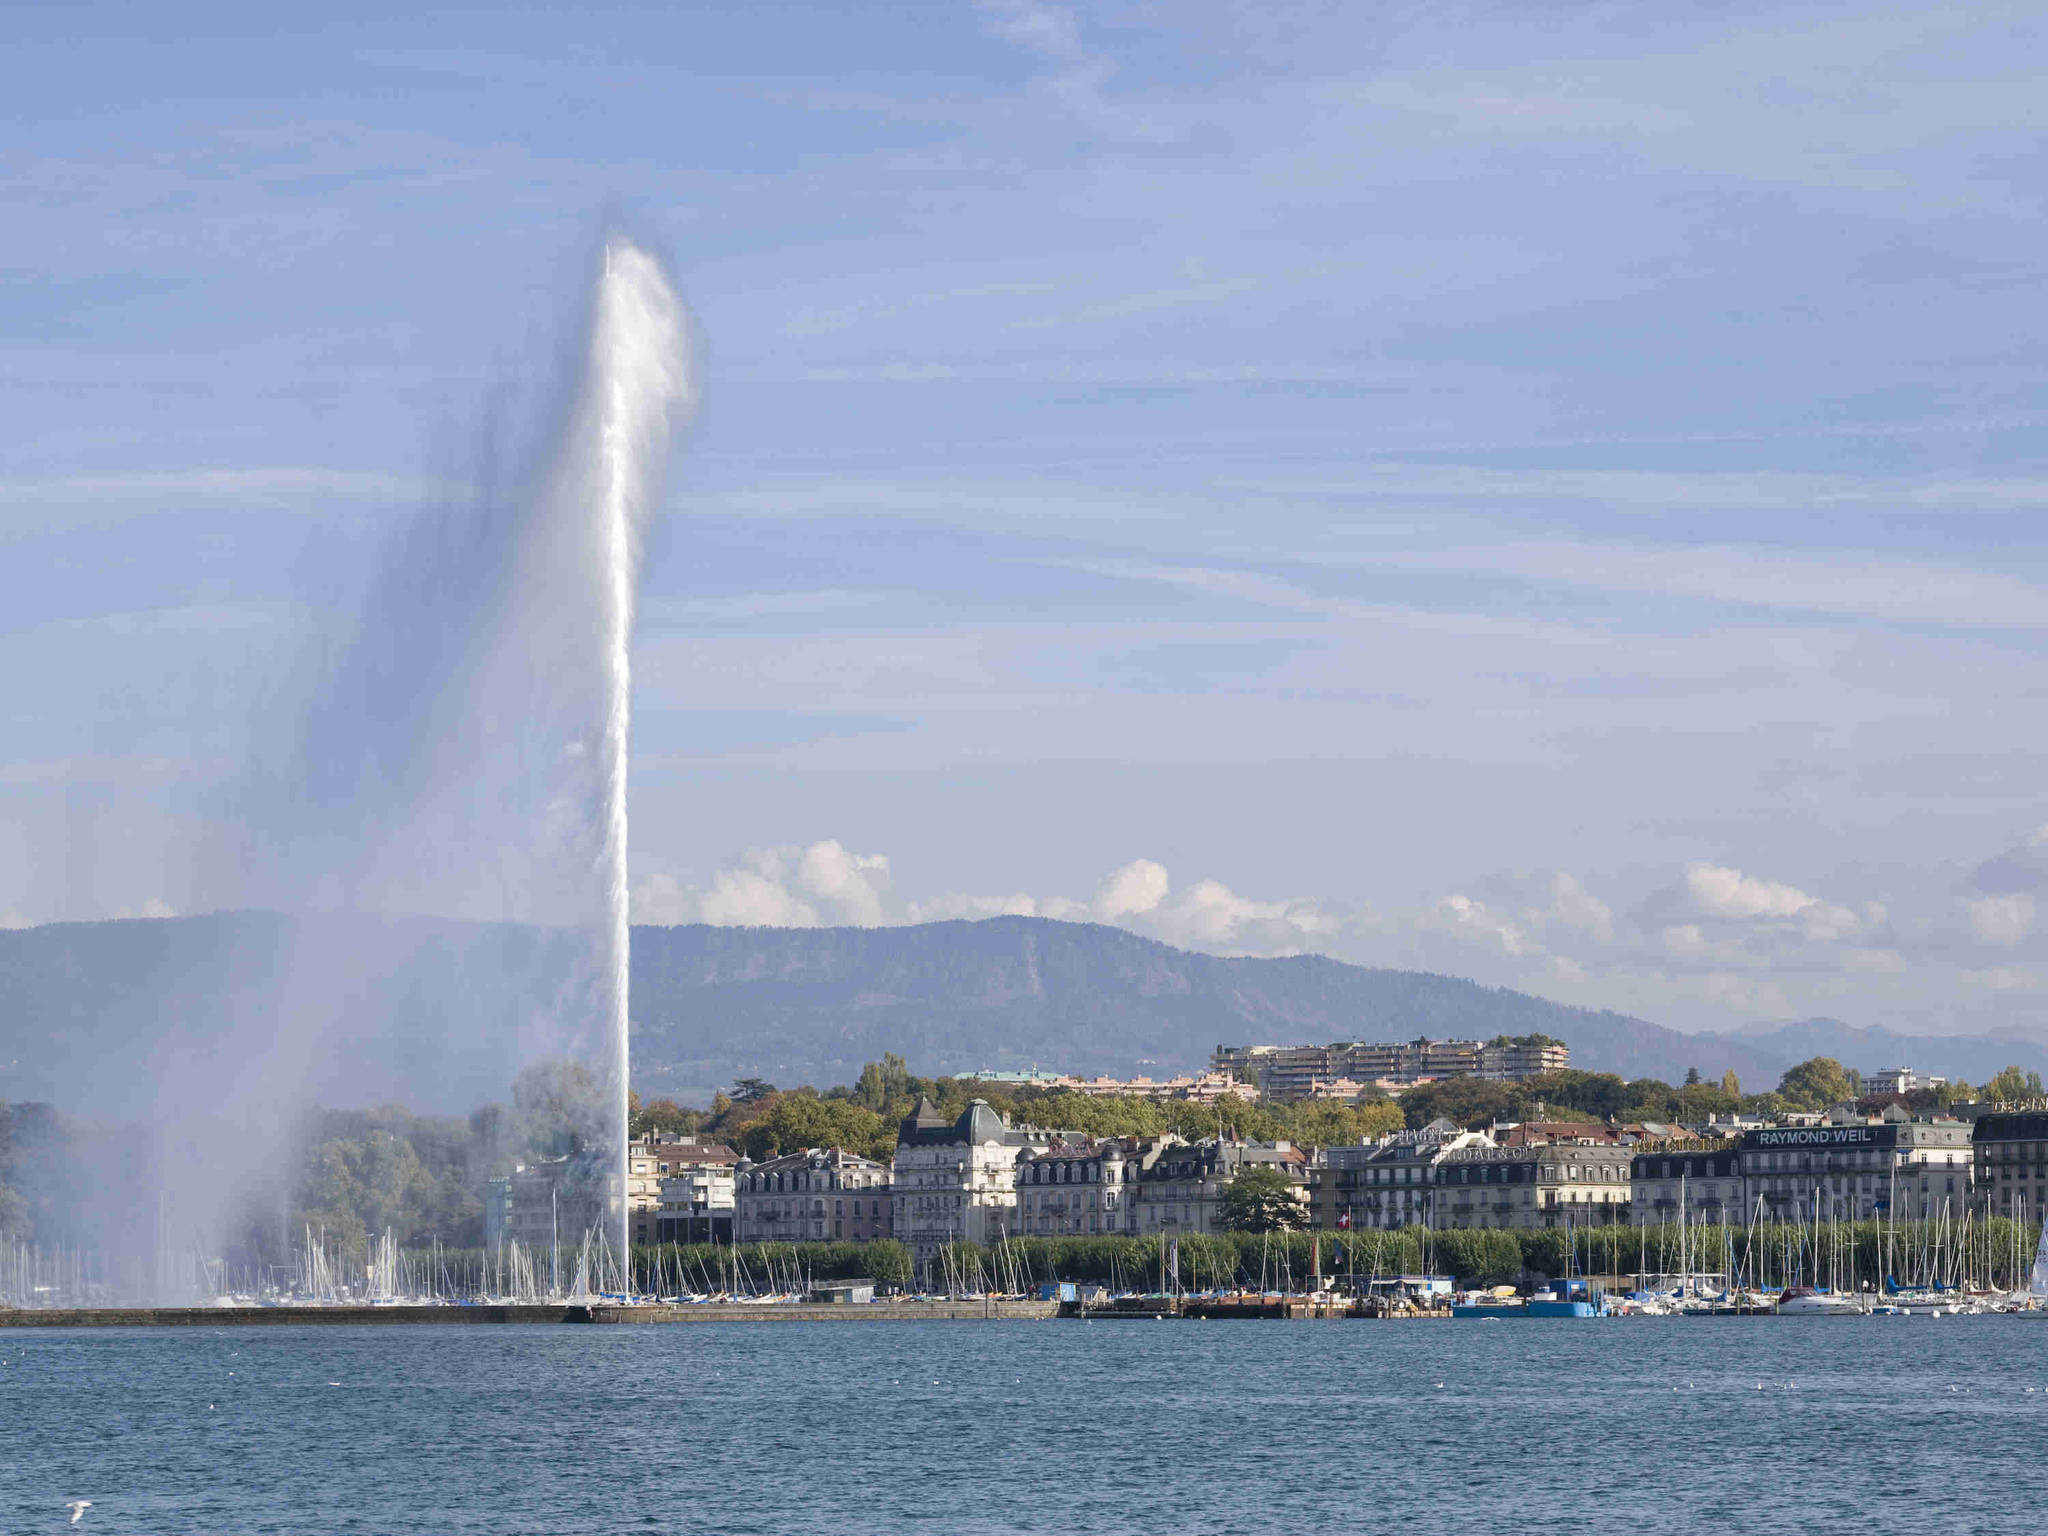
1736	1425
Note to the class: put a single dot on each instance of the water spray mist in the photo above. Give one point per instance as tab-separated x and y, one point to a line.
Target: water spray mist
637	387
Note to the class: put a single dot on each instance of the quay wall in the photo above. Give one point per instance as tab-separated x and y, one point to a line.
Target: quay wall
346	1316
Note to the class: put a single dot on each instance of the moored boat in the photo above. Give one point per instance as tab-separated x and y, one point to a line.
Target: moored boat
1809	1301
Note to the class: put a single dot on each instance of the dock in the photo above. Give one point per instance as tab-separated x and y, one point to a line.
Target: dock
528	1314
1243	1308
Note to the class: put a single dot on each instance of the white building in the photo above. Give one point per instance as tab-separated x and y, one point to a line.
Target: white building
1857	1168
701	1171
956	1180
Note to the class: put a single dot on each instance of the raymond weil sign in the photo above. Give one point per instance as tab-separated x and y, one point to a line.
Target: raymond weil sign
1826	1136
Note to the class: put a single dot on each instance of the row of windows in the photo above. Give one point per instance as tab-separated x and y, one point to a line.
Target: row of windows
1069	1173
776	1183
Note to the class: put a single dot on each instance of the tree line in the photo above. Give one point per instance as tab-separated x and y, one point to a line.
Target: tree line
1994	1251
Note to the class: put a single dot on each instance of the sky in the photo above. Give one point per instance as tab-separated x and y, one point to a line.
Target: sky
1545	494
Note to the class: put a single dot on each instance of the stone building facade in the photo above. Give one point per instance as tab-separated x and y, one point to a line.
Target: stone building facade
1385	1184
1552	1184
1859	1168
817	1195
2009	1154
1181	1188
955	1180
1689	1180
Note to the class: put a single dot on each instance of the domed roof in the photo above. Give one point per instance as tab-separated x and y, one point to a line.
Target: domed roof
980	1123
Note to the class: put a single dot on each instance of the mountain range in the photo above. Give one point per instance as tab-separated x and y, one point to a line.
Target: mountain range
430	1012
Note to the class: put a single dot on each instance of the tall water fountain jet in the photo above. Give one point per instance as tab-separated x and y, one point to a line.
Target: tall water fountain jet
456	748
638	384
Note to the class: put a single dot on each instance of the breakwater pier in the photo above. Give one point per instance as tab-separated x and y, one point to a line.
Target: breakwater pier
525	1313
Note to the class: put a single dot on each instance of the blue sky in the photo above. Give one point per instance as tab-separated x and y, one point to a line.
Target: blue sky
1547	494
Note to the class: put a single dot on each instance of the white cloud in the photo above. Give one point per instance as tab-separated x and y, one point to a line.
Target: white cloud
1136	888
1573	906
850	884
1825	922
2003	978
782	887
824	883
1209	915
660	900
2002	919
1720	892
1472	920
1882	962
746	898
1685	940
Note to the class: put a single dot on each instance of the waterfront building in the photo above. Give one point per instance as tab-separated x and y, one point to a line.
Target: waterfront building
2009	1153
1082	1186
1285	1073
1532	1184
652	1161
1384	1184
816	1195
955	1180
1181	1189
1859	1167
1701	1179
549	1205
697	1206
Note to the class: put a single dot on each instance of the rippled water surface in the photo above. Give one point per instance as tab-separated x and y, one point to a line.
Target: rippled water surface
1636	1425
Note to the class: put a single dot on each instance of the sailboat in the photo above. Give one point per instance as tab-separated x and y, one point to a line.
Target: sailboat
2033	1301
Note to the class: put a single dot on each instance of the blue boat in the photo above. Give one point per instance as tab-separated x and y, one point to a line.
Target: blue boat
1565	1298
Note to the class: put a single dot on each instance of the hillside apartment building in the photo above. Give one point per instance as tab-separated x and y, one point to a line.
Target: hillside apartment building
1285	1073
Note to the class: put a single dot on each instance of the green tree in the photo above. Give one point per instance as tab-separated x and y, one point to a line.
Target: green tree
2013	1084
1262	1198
363	1185
1327	1123
664	1115
1818	1083
553	1102
1598	1094
1465	1101
882	1083
1692	1077
791	1121
1731	1084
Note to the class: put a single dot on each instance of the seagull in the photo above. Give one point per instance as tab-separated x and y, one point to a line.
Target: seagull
78	1507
